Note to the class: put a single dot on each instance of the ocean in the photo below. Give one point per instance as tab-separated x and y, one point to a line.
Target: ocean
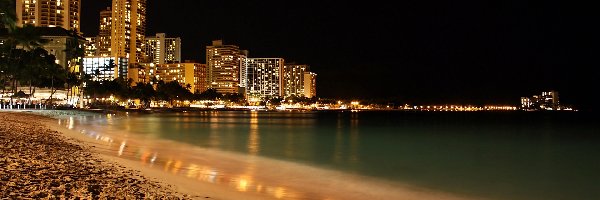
478	155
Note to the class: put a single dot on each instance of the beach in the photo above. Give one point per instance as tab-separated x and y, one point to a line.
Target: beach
38	162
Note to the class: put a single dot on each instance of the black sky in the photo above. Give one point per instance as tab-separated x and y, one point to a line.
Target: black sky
413	51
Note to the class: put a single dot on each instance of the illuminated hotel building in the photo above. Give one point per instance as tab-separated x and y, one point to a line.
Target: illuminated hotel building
264	78
49	13
105	68
162	50
91	46
547	101
526	103
144	73
223	63
104	33
293	79
58	40
310	84
243	67
193	74
128	24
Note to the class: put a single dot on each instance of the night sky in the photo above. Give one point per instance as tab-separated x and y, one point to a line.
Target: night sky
415	52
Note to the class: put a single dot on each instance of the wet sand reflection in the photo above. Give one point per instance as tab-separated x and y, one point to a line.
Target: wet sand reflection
241	178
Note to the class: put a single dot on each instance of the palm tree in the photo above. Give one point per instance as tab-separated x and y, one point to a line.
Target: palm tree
72	80
144	92
53	74
21	41
8	17
27	37
75	52
35	62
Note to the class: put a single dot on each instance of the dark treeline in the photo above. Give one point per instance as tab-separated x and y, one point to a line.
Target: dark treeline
171	92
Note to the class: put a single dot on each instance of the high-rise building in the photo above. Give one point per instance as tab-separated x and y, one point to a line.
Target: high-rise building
162	50
243	67
192	74
49	13
128	24
91	46
310	84
526	103
104	34
547	101
264	78
293	79
223	63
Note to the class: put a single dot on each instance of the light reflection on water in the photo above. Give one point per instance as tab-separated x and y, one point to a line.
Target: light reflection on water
253	142
242	182
514	156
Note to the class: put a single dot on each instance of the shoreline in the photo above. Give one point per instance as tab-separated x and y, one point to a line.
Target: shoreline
339	186
188	109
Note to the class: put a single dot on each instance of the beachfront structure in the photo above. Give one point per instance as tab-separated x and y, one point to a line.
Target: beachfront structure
264	78
293	80
162	50
128	28
49	13
58	40
223	63
104	33
526	103
192	74
105	68
547	101
143	72
310	84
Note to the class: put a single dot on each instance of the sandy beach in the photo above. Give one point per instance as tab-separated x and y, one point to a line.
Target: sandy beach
43	160
38	162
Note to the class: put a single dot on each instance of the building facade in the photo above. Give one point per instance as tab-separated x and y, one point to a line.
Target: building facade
223	63
49	13
547	101
243	68
144	72
91	46
58	41
264	79
105	68
128	28
526	103
293	79
163	50
104	33
310	84
192	74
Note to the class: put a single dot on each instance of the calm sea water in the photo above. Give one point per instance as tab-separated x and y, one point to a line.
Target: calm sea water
501	155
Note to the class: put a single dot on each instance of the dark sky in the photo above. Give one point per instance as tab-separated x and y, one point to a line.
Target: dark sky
413	51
